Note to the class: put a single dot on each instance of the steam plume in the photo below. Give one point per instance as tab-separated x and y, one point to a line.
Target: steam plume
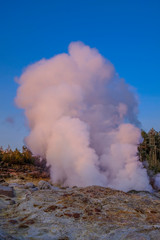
82	118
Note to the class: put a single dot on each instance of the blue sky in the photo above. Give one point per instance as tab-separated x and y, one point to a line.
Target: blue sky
125	32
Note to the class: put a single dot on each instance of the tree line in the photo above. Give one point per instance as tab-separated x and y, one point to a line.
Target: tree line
148	151
9	158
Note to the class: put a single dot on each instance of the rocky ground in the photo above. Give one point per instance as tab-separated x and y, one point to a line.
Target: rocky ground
39	210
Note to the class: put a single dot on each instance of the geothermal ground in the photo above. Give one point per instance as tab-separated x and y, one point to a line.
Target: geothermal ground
39	210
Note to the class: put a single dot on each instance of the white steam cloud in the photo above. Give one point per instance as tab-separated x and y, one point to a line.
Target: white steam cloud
82	118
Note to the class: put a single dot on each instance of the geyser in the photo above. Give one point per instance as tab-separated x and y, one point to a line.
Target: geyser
82	119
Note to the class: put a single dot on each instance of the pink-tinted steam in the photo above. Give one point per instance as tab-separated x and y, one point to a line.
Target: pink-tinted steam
82	118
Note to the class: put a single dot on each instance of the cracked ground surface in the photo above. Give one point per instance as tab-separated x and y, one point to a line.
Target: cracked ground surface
79	213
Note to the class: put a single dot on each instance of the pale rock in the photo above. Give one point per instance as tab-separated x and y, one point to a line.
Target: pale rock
91	213
29	185
7	191
43	185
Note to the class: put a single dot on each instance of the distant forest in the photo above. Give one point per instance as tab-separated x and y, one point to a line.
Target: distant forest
16	157
148	152
10	158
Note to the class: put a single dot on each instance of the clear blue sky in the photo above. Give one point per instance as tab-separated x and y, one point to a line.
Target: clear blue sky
127	32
